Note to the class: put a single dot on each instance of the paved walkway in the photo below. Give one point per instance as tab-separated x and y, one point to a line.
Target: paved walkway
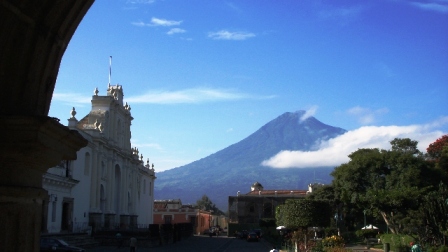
197	243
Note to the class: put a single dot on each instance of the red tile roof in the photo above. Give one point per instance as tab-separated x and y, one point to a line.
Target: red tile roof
277	192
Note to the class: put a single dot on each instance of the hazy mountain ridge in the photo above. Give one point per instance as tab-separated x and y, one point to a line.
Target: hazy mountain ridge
237	166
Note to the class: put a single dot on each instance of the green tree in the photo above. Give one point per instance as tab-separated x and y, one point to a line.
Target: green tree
302	213
205	203
433	215
325	192
299	214
405	145
388	184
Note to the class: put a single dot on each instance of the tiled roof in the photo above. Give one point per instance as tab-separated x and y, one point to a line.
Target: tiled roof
277	192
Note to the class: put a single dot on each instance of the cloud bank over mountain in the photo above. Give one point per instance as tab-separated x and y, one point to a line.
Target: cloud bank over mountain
335	151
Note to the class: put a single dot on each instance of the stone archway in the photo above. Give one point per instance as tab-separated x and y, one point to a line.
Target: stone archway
34	36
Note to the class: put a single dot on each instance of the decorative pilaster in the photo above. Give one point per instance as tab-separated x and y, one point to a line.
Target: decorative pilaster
95	221
133	221
125	220
109	221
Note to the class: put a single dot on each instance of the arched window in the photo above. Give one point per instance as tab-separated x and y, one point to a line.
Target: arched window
103	169
268	210
117	188
144	186
129	203
250	208
87	164
102	199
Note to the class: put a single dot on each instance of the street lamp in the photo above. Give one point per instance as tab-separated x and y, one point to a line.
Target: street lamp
210	218
336	219
365	218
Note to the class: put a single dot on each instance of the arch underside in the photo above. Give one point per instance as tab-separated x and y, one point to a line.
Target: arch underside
34	36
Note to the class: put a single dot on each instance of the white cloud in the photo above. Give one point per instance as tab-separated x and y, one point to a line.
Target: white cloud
140	24
157	22
227	35
334	152
154	146
310	112
366	116
344	14
197	95
175	30
229	130
140	1
164	22
71	98
437	7
233	6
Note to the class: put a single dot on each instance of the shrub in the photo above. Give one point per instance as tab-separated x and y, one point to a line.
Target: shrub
397	242
349	237
333	242
438	249
366	233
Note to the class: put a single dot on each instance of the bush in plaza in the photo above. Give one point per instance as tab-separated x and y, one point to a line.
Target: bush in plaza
333	241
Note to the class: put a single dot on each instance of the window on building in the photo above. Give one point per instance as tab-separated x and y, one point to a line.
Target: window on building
53	211
129	203
87	164
103	169
251	208
102	199
267	210
144	186
168	219
150	186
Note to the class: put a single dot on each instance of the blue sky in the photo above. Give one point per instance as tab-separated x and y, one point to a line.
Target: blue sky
201	75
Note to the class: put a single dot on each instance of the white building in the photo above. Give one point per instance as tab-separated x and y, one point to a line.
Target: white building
108	185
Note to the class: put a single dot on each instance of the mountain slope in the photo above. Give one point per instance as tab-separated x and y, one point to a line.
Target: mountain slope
237	167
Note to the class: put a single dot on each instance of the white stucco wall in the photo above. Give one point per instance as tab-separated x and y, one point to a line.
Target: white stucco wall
81	192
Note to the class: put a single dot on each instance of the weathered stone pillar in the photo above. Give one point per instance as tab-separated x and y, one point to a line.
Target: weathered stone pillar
133	221
29	145
124	221
109	221
95	221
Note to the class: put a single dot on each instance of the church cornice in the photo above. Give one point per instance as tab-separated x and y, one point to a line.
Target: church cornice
59	181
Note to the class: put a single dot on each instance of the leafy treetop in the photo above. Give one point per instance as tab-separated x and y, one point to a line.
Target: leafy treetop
206	204
435	149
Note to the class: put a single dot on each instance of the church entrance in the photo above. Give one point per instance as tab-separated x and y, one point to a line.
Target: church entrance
67	215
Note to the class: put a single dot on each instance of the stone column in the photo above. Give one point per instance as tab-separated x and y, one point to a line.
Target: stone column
109	221
94	181
124	221
133	221
95	221
29	145
111	185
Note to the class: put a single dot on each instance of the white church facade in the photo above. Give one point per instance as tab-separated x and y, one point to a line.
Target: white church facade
108	185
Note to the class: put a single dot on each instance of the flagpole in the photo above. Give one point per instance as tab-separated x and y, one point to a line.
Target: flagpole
110	68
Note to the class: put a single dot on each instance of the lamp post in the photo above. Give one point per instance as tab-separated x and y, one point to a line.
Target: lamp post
210	219
336	219
365	217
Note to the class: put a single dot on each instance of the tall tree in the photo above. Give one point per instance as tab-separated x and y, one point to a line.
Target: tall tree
205	203
435	149
385	183
438	153
299	214
405	145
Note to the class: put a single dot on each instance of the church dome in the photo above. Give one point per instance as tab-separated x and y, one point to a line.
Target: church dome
256	187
